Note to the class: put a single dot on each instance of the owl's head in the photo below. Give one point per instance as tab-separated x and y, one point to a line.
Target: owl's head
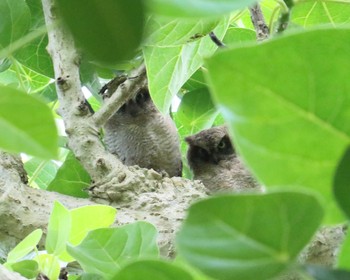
141	103
209	146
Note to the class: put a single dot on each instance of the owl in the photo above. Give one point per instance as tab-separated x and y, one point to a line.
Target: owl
138	134
213	160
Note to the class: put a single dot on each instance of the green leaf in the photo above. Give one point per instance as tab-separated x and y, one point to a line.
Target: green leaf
197	81
325	273
58	229
49	265
341	186
71	178
34	54
288	111
197	111
109	32
152	269
196	8
344	255
308	13
23	248
27	268
238	36
85	219
40	172
248	236
35	135
104	251
169	32
15	21
168	68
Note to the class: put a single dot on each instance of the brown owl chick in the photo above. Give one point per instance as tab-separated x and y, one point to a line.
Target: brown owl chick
213	160
140	135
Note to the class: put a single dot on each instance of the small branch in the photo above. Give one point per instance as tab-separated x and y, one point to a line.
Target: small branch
283	21
216	40
120	96
258	20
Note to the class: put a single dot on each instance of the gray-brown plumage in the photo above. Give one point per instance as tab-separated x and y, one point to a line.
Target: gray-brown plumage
212	158
140	135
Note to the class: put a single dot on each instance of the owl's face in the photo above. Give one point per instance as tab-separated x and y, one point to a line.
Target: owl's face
209	146
140	104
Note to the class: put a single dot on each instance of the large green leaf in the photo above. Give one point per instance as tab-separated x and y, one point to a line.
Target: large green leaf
15	21
28	123
307	13
288	110
104	251
108	31
196	8
23	248
152	270
71	178
248	236
168	68
58	229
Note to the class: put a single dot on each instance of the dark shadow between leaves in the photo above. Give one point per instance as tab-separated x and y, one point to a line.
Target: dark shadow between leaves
341	183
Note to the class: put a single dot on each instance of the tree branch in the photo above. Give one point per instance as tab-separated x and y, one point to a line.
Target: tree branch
121	95
258	20
81	127
160	201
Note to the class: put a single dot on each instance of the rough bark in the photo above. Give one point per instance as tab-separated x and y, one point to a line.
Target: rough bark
258	20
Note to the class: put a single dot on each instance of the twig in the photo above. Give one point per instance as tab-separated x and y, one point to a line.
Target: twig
258	20
283	21
216	40
122	94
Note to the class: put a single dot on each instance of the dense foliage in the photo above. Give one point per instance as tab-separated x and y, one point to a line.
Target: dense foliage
286	101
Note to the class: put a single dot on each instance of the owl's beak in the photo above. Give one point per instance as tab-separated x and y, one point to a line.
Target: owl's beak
215	158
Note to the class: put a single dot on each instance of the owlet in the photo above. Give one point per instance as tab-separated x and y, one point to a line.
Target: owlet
140	135
213	160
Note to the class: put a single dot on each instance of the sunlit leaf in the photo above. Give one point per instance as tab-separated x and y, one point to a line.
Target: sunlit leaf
58	229
104	251
27	245
307	13
40	172
85	219
168	68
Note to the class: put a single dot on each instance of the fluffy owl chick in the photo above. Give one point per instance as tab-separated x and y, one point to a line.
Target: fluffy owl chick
213	160
140	135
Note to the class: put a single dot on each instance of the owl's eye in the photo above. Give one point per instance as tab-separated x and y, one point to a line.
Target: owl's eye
142	96
222	144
